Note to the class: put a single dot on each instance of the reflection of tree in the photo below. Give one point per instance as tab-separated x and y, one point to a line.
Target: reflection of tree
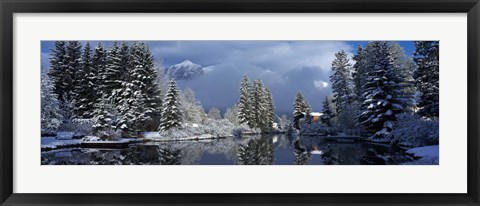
169	156
330	157
256	152
302	156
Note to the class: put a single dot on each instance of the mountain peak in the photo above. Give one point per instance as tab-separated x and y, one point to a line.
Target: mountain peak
185	70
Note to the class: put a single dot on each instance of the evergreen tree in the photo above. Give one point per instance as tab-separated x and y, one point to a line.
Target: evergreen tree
300	108
98	69
58	71
244	110
359	73
405	69
72	59
427	77
342	83
111	76
51	116
382	92
327	114
104	116
171	117
131	109
269	108
84	90
145	76
258	109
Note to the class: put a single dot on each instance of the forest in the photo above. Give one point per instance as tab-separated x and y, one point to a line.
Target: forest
118	94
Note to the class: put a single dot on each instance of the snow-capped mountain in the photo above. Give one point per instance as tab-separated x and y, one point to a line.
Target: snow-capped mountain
184	71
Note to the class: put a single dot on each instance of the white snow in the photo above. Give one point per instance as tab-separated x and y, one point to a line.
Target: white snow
428	155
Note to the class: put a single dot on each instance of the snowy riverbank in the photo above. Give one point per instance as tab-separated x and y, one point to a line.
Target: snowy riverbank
428	155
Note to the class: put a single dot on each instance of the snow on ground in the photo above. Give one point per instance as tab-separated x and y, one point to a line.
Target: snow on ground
156	136
428	155
53	143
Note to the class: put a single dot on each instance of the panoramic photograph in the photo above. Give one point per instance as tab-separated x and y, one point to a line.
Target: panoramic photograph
239	102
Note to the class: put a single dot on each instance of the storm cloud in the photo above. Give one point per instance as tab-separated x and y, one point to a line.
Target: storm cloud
284	66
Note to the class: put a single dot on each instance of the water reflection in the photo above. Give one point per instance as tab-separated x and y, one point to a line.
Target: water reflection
259	150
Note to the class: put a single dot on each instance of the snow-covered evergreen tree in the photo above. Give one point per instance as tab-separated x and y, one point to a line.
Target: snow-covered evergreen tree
51	116
58	71
171	117
104	116
84	90
130	106
427	77
99	62
327	114
244	109
342	82
258	107
406	67
72	60
300	108
382	92
269	108
359	73
111	76
144	75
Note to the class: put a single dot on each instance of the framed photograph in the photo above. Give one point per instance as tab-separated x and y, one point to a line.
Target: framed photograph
251	103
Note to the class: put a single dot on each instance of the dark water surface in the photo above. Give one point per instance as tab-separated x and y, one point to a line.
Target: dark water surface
257	150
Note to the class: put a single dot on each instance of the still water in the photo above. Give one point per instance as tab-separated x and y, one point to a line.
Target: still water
255	150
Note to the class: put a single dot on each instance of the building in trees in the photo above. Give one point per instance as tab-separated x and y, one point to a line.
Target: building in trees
300	108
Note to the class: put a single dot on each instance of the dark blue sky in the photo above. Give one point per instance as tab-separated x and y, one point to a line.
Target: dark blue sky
284	66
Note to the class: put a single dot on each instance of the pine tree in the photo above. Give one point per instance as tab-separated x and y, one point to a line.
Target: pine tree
382	92
130	107
359	73
427	77
104	116
258	109
84	90
51	116
95	77
171	117
111	76
300	109
58	71
327	114
405	69
269	108
244	110
72	59
342	82
145	76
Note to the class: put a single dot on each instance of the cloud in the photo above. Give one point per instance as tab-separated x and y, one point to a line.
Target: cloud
319	84
283	66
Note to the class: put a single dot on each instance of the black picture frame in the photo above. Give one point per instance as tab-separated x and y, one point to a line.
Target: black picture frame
10	7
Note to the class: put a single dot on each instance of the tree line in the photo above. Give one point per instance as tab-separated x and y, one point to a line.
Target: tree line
382	83
115	87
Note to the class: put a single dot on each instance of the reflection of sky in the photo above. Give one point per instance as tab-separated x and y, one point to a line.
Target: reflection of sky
284	66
